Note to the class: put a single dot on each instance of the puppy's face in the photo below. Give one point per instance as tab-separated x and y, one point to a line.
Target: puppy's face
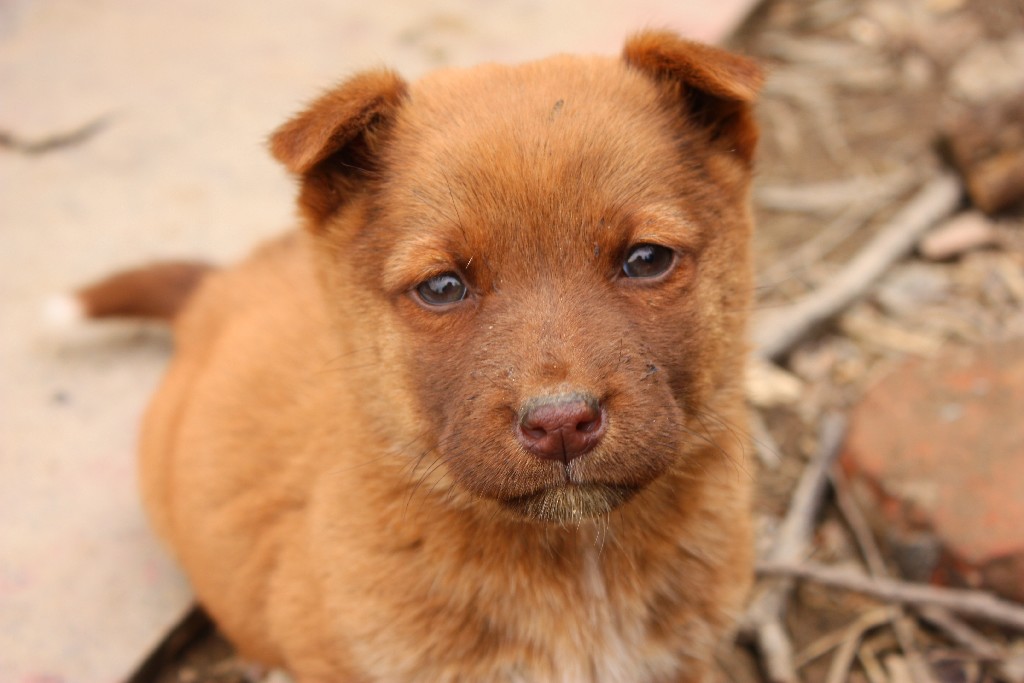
554	259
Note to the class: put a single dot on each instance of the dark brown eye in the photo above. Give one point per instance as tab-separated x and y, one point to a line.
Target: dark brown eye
648	260
442	290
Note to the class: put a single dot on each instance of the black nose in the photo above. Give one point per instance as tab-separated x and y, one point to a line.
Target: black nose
561	427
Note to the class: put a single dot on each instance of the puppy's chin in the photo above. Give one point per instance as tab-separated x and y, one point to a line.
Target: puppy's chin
569	503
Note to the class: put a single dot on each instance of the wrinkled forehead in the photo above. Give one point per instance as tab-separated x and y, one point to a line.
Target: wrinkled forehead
512	160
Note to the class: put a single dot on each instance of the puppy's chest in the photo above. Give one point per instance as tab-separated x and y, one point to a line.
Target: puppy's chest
613	640
580	627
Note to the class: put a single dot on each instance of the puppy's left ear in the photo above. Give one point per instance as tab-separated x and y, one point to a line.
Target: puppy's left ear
717	88
334	145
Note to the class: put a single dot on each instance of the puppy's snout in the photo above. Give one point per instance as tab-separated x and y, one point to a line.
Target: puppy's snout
562	427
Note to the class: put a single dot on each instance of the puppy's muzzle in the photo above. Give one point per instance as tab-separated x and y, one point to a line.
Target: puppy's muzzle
561	427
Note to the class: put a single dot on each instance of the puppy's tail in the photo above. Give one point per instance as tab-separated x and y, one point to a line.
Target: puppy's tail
157	291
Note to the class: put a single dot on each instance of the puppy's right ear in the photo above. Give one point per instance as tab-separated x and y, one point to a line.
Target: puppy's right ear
333	145
716	88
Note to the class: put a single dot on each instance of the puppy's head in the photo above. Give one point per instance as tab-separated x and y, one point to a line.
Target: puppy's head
544	268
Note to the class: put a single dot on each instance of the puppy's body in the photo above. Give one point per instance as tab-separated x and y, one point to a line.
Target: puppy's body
343	466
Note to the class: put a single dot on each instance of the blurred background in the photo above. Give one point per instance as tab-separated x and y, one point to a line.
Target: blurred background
891	170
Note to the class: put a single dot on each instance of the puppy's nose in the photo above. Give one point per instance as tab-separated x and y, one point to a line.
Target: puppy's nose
562	427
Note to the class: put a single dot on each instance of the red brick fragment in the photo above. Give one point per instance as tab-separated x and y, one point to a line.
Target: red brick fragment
936	450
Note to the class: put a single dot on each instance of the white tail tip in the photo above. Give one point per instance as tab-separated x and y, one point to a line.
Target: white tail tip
63	311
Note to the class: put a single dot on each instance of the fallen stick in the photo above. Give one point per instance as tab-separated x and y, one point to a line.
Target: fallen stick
765	445
819	103
830	641
797	528
858	524
777	331
839	669
969	603
49	143
961	633
797	262
1009	663
763	620
830	196
854	216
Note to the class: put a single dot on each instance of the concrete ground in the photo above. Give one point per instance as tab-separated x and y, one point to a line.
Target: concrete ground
184	94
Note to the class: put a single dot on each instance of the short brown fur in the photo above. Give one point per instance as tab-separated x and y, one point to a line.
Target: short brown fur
158	290
335	463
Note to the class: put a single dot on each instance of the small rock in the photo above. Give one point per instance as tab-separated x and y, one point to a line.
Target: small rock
992	70
918	71
919	473
769	385
985	142
962	233
916	554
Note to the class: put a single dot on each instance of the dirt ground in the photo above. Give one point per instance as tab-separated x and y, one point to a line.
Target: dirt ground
858	96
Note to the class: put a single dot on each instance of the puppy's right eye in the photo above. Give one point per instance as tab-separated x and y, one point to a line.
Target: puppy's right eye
442	290
648	261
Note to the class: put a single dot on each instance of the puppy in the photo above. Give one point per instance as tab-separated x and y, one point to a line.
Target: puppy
478	420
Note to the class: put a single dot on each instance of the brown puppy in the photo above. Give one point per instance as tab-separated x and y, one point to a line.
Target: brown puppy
478	422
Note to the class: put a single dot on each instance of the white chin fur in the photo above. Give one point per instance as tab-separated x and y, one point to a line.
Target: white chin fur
63	311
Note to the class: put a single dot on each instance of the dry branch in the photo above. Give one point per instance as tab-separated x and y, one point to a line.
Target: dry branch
961	633
969	603
49	143
797	528
876	567
763	620
831	196
778	331
859	199
830	641
1010	666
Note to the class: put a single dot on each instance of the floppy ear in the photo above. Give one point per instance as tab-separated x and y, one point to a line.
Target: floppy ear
334	143
718	88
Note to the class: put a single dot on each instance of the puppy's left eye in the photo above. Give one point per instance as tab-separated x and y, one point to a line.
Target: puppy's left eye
648	261
442	290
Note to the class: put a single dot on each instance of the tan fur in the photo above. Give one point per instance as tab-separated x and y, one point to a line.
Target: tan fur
334	463
158	290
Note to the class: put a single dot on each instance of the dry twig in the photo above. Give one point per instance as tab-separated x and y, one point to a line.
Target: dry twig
49	143
831	196
830	641
765	445
860	199
961	633
1009	666
876	567
839	669
970	603
777	331
868	657
764	616
809	94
